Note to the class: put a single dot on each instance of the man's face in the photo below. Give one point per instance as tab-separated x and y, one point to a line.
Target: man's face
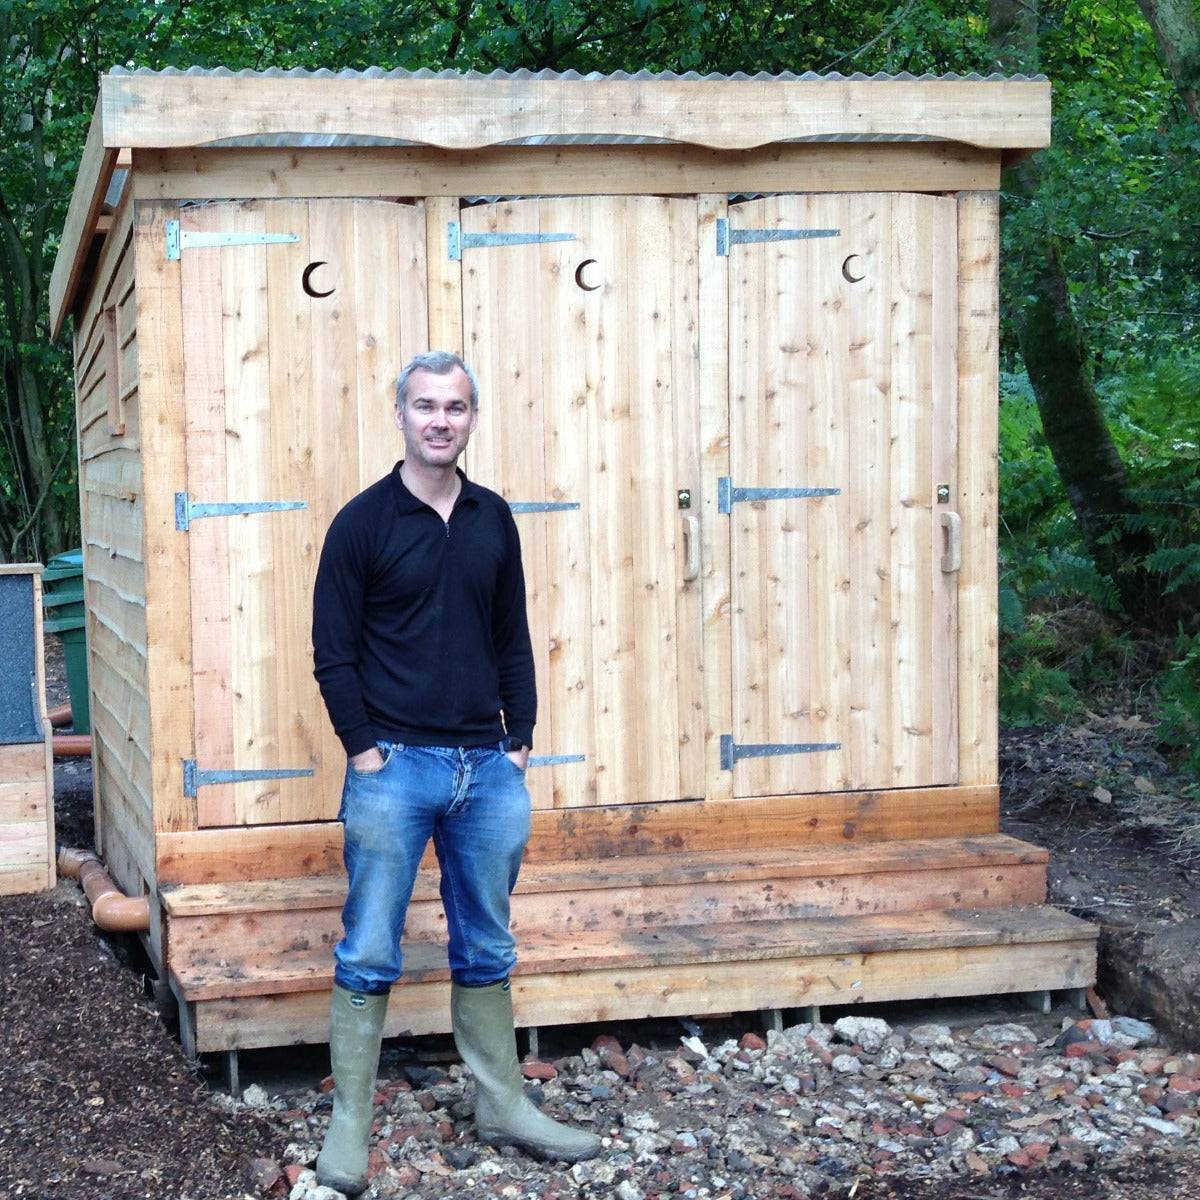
437	419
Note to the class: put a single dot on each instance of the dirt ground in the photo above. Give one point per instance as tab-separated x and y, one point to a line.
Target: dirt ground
98	1101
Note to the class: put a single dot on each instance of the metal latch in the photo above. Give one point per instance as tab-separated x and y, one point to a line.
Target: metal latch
728	495
194	778
727	237
188	510
179	240
459	241
731	751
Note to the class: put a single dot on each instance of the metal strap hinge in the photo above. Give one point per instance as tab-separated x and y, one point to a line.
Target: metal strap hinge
534	506
194	778
731	751
728	495
555	760
727	237
459	241
188	510
179	240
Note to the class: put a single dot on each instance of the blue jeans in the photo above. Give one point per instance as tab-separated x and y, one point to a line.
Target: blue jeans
473	802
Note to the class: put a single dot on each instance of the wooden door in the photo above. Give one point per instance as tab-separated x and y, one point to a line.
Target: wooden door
288	376
585	350
843	377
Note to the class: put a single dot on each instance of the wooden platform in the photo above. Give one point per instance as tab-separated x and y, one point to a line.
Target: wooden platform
640	935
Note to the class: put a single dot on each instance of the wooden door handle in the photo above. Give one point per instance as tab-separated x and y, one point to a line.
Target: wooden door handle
691	548
952	554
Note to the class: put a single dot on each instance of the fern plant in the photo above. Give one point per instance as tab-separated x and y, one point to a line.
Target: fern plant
1179	706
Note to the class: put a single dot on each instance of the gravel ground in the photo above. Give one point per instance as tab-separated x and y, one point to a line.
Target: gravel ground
803	1112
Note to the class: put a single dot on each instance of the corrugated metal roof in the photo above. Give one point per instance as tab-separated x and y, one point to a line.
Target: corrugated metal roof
300	139
592	76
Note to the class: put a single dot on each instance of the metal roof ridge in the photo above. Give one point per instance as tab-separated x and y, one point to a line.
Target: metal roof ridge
572	76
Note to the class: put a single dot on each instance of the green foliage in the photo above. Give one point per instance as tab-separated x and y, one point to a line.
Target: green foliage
1057	612
1117	191
1155	418
1179	705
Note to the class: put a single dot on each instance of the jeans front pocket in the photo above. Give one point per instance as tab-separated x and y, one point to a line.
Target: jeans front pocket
388	750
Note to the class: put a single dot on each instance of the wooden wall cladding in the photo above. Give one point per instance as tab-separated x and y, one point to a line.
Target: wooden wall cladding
642	367
112	503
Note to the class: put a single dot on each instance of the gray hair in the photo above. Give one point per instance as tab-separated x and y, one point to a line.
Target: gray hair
438	362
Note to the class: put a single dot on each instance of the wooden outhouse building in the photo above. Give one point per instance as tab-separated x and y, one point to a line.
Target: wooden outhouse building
737	340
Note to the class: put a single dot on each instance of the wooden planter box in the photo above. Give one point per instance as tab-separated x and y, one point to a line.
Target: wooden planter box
741	390
26	767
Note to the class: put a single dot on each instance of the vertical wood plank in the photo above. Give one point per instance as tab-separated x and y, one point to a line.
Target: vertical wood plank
613	634
944	431
445	295
824	402
165	551
249	436
978	483
714	357
912	498
565	694
649	504
295	398
685	432
208	540
868	398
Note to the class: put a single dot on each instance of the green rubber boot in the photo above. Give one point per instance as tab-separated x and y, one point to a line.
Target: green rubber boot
355	1032
504	1115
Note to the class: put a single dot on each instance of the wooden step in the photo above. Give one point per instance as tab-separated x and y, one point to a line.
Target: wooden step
300	920
640	870
680	970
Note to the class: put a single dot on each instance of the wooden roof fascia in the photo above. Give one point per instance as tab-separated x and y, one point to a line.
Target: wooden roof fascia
163	111
91	183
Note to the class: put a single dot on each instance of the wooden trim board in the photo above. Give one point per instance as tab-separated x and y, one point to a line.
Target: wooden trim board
978	485
154	110
91	183
283	851
392	171
170	692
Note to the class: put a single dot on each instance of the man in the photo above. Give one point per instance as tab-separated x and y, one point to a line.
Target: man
421	649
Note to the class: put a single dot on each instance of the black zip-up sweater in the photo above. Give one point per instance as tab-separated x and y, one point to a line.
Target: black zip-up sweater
419	627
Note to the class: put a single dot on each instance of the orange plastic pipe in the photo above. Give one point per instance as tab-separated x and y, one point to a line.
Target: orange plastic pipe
60	716
112	910
72	745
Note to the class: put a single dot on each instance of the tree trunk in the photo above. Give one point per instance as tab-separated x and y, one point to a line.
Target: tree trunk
1088	463
1177	32
1057	361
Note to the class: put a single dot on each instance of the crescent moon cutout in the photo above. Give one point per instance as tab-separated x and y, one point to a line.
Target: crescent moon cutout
846	273
307	280
587	262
